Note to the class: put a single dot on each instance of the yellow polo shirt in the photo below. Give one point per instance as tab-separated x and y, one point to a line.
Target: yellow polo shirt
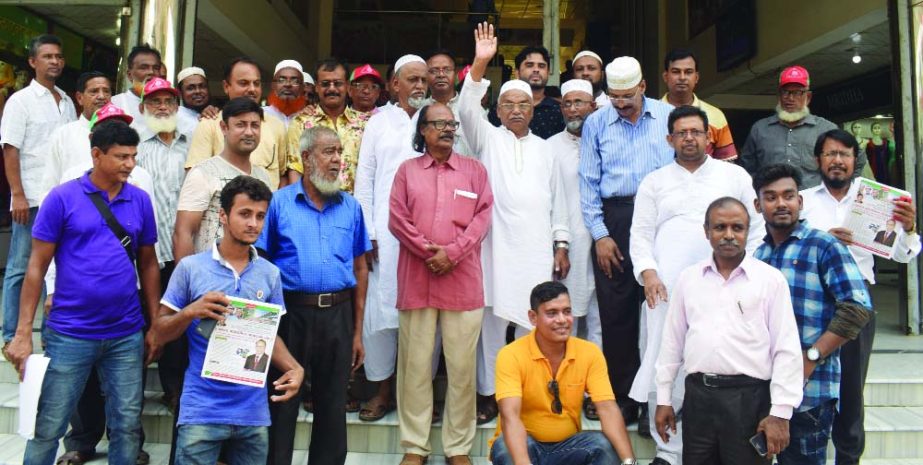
271	154
523	371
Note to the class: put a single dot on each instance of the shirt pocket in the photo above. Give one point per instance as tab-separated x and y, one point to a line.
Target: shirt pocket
572	394
341	243
463	205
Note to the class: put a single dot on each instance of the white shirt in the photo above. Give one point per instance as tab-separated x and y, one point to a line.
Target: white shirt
530	208
69	147
129	103
823	211
602	100
667	235
270	110
386	143
580	282
29	118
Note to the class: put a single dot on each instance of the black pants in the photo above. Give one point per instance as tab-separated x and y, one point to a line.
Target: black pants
719	422
321	340
619	302
171	367
849	423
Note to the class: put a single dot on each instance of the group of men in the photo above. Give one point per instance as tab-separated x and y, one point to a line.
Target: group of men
390	232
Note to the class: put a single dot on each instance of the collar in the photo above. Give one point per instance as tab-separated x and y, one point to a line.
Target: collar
90	188
216	255
821	189
41	90
537	354
701	169
743	268
809	120
429	161
798	234
83	121
300	192
695	100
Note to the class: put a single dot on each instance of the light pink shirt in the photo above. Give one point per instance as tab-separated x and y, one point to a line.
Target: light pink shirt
447	204
744	325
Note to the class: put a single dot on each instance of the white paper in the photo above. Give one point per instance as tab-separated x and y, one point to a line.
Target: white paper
29	391
869	217
231	355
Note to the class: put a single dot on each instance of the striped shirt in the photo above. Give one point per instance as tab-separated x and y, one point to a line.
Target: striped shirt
820	272
615	155
166	164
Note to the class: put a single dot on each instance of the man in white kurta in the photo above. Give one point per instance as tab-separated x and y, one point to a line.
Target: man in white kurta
530	208
576	104
666	237
386	143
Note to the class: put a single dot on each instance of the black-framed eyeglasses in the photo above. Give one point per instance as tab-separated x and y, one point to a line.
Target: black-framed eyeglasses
441	124
556	406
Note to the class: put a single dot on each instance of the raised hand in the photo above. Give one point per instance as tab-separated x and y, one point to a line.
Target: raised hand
485	42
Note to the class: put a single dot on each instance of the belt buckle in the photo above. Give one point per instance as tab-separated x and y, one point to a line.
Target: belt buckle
320	300
709	376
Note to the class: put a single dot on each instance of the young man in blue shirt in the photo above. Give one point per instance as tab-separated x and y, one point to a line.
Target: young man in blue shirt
215	413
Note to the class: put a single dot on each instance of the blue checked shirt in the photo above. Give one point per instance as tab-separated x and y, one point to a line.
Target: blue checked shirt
314	249
615	155
820	272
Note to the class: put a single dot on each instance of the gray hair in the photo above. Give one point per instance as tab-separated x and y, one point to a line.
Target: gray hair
309	137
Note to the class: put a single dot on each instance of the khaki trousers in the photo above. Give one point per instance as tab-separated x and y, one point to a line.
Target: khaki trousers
460	330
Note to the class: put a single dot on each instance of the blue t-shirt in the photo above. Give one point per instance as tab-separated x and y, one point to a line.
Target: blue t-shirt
96	296
208	401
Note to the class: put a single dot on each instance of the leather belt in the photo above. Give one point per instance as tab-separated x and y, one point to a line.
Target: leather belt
620	199
725	381
324	300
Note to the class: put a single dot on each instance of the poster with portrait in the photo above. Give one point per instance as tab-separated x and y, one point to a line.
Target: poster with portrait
871	217
239	350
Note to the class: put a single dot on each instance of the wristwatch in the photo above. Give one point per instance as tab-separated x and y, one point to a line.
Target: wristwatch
629	462
813	354
561	245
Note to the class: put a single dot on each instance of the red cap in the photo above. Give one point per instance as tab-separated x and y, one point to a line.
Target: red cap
366	70
464	73
109	111
795	75
157	84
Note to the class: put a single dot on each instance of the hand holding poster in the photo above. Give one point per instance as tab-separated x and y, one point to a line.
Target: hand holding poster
239	350
871	218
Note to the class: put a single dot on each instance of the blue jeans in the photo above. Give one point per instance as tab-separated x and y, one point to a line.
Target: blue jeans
119	364
584	448
809	431
200	444
16	263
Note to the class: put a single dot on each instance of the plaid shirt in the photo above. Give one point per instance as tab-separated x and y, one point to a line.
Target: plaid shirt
820	272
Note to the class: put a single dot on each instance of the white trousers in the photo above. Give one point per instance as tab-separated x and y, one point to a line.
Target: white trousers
493	338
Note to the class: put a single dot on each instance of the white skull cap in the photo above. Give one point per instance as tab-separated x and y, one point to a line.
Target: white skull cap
515	84
578	85
588	53
407	59
190	71
288	64
307	78
623	73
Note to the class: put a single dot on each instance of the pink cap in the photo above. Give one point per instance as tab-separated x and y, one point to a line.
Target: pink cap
109	111
795	75
366	70
464	73
157	84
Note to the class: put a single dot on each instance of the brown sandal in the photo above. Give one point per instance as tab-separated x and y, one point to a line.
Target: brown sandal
74	457
376	411
487	409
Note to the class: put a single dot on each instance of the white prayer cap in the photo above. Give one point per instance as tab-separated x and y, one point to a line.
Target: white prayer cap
588	53
407	59
288	64
516	84
307	78
576	85
190	71
623	73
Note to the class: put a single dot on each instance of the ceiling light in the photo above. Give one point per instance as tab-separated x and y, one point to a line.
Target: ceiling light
856	37
856	58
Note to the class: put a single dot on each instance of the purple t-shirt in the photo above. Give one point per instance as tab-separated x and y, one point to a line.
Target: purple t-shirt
96	295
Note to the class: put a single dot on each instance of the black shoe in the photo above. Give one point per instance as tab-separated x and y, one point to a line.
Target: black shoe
644	425
659	461
629	409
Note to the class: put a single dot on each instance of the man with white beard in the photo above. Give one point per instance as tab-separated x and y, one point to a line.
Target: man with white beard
528	239
789	135
386	143
666	238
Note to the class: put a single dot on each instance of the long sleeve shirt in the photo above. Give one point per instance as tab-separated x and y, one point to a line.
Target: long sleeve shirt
530	207
446	204
743	325
616	154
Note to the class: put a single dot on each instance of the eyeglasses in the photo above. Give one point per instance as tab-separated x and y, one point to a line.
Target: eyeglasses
578	104
523	107
837	153
694	133
444	70
365	86
556	406
336	83
793	93
441	124
284	81
623	98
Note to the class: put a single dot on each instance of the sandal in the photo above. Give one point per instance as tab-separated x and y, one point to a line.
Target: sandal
589	410
487	409
74	457
143	458
352	405
374	411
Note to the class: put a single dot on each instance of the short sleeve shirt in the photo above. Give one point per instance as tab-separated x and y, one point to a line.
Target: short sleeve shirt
201	192
96	294
523	371
208	401
271	154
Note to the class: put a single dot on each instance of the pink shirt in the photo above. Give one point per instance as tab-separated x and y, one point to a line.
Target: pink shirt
744	325
447	204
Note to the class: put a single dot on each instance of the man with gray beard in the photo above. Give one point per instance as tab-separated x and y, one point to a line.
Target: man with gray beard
316	235
789	135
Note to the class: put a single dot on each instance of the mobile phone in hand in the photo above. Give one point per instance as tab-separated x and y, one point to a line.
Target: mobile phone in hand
758	441
206	326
